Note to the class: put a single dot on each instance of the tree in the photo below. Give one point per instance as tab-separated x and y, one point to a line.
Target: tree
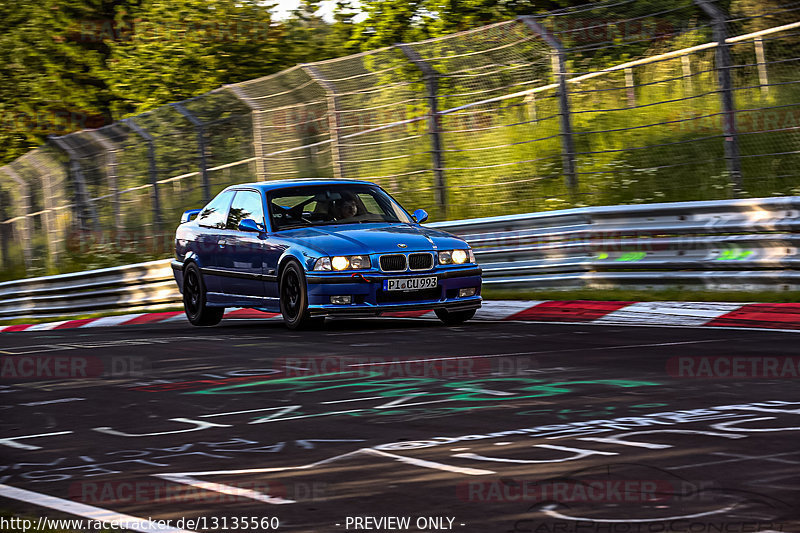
163	52
394	21
50	78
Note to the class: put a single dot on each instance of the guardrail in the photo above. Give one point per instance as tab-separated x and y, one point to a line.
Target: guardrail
141	286
715	245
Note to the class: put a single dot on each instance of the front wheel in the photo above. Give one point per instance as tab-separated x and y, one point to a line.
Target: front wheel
454	318
294	299
194	299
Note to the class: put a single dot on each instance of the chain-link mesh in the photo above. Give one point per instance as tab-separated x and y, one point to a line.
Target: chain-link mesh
379	127
290	125
40	196
767	95
499	154
623	101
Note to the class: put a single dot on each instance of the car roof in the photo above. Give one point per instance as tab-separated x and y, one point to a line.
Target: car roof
279	184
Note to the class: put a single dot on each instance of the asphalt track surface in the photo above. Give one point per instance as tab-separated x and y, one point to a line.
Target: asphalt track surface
488	427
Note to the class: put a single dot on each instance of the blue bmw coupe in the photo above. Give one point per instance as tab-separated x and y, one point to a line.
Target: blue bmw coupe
315	248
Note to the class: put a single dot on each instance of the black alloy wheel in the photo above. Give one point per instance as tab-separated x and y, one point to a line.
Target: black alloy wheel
194	299
294	298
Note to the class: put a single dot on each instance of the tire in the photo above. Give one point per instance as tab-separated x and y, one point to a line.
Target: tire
194	299
454	318
294	299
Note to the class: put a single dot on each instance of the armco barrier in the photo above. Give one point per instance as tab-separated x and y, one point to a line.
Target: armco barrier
716	245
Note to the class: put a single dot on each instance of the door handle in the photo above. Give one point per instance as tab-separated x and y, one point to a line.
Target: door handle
222	242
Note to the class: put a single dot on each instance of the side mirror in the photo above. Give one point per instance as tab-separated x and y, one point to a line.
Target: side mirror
188	215
420	215
248	224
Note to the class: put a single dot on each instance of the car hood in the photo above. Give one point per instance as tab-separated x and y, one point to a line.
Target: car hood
351	239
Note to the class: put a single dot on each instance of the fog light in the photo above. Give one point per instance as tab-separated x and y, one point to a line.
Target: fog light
462	293
341	300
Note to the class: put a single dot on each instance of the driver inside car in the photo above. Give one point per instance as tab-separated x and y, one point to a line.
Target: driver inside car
345	208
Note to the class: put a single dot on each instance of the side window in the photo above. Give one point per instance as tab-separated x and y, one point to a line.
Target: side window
215	213
246	204
370	204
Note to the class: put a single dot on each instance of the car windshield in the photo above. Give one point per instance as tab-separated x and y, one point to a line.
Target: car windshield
317	205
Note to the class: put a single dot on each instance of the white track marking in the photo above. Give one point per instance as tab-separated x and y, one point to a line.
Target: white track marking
283	410
176	318
551	512
578	453
111	321
737	460
355	399
429	464
229	490
309	466
502	310
46	326
705	328
723	426
362	451
673	313
618	438
87	511
11	441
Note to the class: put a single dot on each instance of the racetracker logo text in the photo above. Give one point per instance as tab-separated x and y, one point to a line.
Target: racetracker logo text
724	366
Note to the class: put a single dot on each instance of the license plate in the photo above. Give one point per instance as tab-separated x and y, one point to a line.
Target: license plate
409	284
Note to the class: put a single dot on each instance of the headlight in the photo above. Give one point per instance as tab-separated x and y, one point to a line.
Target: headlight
459	256
456	257
342	262
323	263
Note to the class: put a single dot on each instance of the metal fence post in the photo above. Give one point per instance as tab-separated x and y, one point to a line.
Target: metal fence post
763	78
431	77
333	118
43	165
630	87
723	68
686	68
111	173
201	147
25	213
87	214
560	71
258	145
152	170
5	229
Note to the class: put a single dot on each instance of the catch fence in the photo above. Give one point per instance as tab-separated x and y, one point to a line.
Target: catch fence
609	103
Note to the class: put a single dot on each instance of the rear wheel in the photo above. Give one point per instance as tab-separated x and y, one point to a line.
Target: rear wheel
454	318
194	299
294	299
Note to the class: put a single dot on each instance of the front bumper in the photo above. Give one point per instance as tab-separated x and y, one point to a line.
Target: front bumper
369	297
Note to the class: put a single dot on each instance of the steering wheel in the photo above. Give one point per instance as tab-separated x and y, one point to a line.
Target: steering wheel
296	212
